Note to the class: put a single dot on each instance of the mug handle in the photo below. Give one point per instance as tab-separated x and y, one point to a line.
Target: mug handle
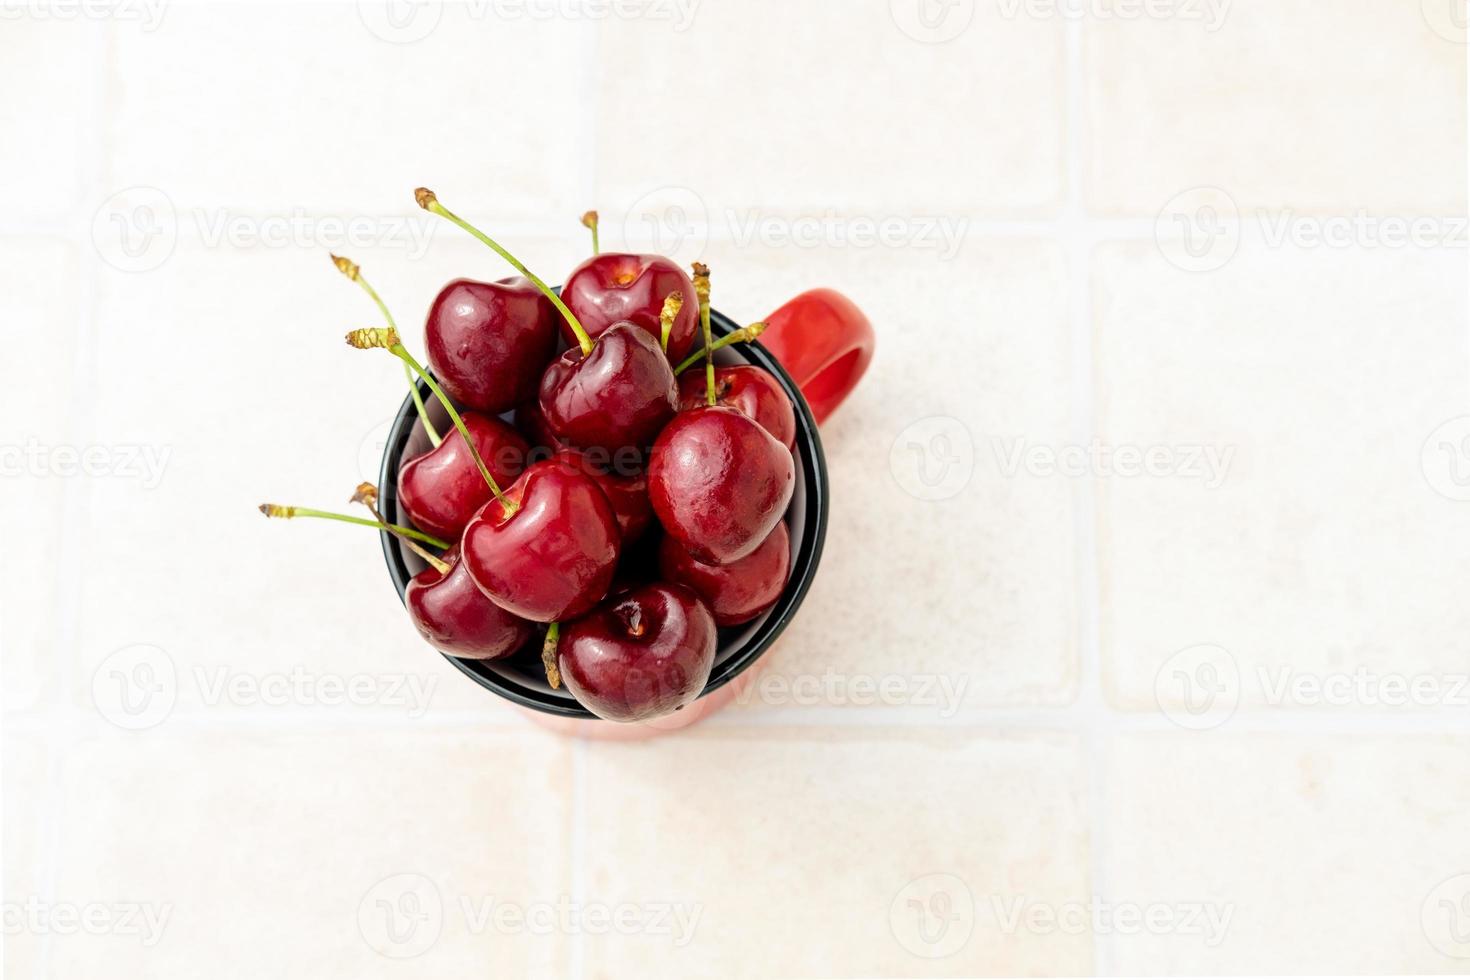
825	343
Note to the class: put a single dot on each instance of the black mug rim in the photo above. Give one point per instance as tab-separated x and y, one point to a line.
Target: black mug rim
728	664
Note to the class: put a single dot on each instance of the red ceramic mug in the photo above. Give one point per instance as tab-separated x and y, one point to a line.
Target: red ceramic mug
818	346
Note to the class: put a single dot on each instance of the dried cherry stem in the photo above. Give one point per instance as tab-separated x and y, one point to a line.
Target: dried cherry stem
277	510
734	337
430	203
701	288
386	338
673	303
589	220
367	495
548	656
351	270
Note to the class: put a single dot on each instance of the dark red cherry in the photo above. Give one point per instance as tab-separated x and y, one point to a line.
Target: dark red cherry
641	655
618	287
719	483
456	617
489	341
618	396
751	391
628	494
442	489
740	591
554	555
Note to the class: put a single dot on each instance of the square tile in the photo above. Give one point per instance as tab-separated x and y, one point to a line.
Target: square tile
347	107
226	369
1317	854
949	574
837	853
39	286
326	854
832	105
1278	105
1315	544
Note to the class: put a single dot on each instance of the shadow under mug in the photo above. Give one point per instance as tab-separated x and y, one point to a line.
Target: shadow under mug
817	346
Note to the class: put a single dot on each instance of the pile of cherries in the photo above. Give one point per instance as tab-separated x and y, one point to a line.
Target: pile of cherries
632	507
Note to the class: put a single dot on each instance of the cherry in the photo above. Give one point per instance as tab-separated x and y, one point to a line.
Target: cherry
442	489
641	655
488	341
546	548
619	287
740	591
452	613
628	494
614	395
618	394
749	390
719	483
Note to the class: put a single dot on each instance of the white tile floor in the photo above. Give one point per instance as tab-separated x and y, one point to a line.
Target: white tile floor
1198	710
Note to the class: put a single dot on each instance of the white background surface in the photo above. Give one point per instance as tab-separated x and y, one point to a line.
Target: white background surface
1033	718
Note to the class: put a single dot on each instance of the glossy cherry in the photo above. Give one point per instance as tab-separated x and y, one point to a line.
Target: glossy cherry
719	483
442	489
627	493
455	616
641	655
748	389
618	287
548	551
487	342
618	395
740	591
532	425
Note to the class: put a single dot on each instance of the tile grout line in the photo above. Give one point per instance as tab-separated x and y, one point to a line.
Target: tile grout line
1090	705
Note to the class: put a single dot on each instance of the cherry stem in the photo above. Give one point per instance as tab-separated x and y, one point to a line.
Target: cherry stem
548	656
430	203
673	303
387	338
734	337
589	220
367	495
277	510
350	269
701	287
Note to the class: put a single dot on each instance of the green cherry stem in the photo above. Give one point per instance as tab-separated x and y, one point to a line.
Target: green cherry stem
277	510
350	269
589	220
734	337
548	656
701	288
387	339
430	203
